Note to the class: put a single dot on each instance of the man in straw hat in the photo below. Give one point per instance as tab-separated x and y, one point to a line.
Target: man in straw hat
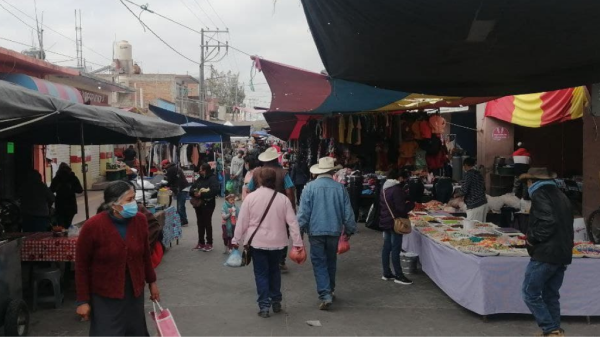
550	245
283	184
325	213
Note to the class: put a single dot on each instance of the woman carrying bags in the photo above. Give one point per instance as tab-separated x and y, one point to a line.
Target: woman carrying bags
203	193
394	203
113	265
262	226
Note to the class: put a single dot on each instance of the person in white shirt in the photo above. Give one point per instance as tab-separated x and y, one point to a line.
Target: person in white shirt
236	173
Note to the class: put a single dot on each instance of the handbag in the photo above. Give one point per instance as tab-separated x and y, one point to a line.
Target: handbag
247	253
196	202
401	225
165	324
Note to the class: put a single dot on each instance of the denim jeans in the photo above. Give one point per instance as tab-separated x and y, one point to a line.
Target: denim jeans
267	277
392	244
181	201
541	293
323	255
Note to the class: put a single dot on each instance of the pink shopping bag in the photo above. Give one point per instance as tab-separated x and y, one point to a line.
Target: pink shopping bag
165	324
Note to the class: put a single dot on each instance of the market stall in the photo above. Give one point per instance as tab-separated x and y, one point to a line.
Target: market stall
481	266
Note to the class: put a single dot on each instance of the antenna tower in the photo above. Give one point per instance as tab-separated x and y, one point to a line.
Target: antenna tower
79	40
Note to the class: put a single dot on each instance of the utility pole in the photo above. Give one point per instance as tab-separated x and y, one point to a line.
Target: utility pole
209	53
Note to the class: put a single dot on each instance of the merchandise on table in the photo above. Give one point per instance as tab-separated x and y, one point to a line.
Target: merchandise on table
478	251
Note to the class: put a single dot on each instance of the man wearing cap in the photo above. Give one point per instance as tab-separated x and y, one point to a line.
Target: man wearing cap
283	184
177	182
236	173
325	213
550	245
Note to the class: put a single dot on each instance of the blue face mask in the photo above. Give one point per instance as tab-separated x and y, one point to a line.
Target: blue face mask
129	210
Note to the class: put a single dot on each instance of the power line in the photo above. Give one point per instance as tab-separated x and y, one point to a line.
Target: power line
145	8
49	51
55	31
218	16
158	37
194	13
202	9
18	18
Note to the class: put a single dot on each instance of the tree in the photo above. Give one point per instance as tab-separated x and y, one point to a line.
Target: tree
225	87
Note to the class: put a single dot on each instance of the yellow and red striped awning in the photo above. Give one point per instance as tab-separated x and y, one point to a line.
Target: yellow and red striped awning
536	110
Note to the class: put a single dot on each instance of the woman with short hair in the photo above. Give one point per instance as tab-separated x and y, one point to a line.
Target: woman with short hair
113	265
262	225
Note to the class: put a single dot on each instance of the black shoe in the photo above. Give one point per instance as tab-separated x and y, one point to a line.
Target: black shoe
264	314
388	277
276	307
402	280
283	268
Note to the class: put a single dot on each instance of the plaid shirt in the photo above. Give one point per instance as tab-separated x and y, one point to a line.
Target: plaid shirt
473	189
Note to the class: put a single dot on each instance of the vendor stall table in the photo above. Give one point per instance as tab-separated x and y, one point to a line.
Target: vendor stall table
492	285
171	225
46	247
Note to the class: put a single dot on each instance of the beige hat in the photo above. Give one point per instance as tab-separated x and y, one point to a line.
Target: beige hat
326	164
539	173
269	155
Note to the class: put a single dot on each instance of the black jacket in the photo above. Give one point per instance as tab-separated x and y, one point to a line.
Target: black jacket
66	185
211	182
399	203
176	178
550	233
473	189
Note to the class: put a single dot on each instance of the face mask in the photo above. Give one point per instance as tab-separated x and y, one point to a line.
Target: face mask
129	210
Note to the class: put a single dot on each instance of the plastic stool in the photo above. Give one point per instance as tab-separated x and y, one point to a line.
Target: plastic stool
52	275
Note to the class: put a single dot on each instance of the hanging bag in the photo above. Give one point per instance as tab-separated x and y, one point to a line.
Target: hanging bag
401	225
247	253
165	324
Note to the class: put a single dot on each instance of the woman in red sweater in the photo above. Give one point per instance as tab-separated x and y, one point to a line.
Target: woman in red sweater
113	265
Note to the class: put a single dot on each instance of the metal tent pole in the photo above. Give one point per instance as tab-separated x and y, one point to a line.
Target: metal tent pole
139	144
83	172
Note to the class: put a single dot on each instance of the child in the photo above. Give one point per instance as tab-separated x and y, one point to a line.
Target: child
229	214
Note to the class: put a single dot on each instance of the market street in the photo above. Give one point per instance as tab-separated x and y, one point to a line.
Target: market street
207	298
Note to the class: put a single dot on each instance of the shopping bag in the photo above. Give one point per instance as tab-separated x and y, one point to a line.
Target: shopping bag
229	187
343	245
298	256
234	259
165	324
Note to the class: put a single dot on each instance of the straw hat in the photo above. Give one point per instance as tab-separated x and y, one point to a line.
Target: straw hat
539	173
326	164
269	155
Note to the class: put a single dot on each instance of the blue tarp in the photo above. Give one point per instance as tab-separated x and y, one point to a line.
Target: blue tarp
199	127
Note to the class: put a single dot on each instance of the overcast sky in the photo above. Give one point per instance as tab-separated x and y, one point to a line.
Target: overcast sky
274	30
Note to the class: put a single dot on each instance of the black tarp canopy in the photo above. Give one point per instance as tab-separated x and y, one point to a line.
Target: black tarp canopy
30	117
459	48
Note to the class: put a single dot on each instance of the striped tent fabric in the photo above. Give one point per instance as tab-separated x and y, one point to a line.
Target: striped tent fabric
536	110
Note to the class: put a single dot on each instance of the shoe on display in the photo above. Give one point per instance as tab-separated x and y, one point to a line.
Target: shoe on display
402	280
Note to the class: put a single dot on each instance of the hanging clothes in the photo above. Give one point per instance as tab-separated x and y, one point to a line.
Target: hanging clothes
196	156
437	123
342	129
183	158
425	129
350	129
415	127
420	159
358	133
325	128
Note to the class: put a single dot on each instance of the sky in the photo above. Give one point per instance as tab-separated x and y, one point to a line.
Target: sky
273	29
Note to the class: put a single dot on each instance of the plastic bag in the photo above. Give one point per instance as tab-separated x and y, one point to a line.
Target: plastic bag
234	259
298	255
343	245
229	186
165	324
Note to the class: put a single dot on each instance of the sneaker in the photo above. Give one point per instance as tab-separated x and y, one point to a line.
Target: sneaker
557	332
264	314
388	277
199	247
276	307
325	305
283	268
402	280
208	248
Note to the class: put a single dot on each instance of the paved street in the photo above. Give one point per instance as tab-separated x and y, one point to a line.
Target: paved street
207	298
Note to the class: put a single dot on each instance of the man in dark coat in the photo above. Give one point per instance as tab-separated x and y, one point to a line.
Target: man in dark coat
550	245
177	182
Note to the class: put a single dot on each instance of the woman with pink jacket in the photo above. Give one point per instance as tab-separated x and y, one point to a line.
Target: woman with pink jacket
269	237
